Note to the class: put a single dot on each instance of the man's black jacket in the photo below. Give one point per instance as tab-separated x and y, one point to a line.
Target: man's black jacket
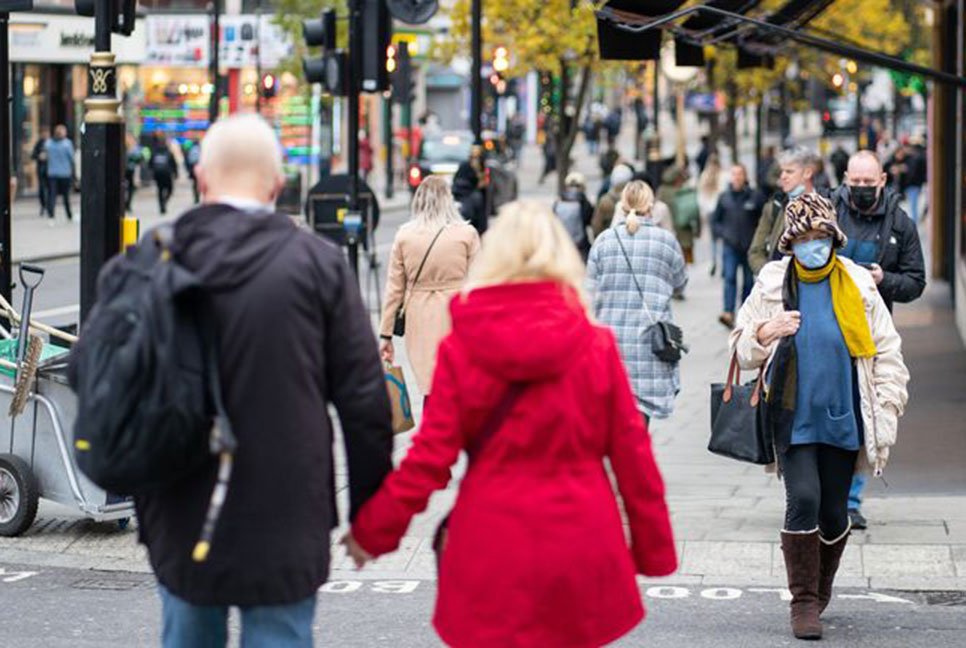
736	216
293	338
900	252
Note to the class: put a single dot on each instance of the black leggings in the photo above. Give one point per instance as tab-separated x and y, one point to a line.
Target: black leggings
817	481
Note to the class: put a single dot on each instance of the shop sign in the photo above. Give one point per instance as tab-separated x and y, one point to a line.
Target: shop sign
53	38
183	40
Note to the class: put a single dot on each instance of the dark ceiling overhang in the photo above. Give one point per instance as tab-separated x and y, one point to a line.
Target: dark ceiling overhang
627	24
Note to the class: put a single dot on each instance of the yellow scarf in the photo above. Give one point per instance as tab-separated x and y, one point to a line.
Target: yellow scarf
847	304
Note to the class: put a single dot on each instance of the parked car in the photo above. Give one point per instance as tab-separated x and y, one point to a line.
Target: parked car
441	154
839	116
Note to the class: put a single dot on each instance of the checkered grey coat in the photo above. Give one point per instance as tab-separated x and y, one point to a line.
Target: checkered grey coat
660	270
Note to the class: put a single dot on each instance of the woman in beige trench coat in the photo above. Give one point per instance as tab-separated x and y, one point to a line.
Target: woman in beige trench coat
427	299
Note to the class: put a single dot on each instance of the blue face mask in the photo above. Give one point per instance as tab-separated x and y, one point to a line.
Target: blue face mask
813	254
796	191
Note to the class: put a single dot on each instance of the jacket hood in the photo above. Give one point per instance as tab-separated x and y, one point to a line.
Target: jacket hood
225	246
526	331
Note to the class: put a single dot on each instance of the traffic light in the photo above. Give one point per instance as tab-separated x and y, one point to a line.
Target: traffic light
123	14
329	70
501	60
402	78
268	86
376	36
391	60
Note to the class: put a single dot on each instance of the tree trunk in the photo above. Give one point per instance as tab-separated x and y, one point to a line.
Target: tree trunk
732	121
568	127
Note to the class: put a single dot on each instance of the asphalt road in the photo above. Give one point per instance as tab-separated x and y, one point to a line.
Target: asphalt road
50	608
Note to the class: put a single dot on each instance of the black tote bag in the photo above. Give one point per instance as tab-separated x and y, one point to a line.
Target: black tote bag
737	420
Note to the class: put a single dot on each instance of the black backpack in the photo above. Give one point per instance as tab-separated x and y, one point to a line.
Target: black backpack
146	376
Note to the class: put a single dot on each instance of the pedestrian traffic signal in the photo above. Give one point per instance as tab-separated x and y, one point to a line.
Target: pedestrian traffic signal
329	70
123	13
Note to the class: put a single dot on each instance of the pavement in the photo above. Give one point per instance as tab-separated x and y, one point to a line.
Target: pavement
726	515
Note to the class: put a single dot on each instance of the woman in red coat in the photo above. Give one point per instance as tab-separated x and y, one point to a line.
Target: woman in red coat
536	553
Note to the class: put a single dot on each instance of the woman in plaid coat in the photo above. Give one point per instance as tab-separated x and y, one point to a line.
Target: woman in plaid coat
654	258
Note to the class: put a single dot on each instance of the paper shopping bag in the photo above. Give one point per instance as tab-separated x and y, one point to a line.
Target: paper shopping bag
402	410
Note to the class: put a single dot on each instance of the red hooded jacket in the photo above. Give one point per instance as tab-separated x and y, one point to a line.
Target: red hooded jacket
536	552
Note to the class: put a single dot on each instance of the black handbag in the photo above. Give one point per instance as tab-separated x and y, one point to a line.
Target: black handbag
667	338
399	324
738	427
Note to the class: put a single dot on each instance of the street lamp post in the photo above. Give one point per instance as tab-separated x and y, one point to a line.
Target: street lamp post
476	73
102	202
6	273
213	47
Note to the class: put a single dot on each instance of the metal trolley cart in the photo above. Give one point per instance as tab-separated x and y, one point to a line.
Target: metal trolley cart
35	456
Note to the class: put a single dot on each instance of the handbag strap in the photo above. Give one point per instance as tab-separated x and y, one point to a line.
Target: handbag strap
734	378
495	418
419	270
630	267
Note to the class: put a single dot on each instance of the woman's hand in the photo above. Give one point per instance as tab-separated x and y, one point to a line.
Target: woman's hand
386	351
782	325
359	555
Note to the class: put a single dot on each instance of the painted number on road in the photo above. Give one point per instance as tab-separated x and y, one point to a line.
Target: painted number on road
14	576
381	587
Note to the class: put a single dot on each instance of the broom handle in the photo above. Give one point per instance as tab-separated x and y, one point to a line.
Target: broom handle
34	324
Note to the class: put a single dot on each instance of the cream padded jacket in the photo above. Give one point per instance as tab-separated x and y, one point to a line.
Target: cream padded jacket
882	379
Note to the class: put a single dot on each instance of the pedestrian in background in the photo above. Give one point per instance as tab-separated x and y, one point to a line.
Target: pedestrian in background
192	153
132	162
467	190
549	152
836	382
60	170
884	240
682	199
797	166
633	271
734	221
607	204
164	168
293	337
365	155
39	156
430	258
575	211
709	188
535	552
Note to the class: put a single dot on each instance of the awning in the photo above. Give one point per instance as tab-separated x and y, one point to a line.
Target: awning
631	30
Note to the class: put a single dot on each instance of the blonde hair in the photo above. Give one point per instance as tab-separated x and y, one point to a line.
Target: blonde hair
637	200
527	243
433	205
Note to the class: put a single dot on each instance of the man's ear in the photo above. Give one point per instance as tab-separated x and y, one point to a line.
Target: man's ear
883	179
277	189
202	180
808	173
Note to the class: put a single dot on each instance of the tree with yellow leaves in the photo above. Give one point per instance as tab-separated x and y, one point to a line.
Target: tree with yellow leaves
555	37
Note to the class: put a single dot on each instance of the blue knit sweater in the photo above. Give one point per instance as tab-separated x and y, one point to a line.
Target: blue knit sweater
826	405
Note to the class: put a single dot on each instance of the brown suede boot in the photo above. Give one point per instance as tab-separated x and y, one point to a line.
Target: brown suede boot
802	564
830	554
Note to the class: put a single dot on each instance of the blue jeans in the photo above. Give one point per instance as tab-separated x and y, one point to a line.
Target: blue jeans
732	259
185	625
912	195
855	493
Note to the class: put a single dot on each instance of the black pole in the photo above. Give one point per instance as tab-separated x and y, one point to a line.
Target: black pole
858	118
258	57
759	115
657	99
102	154
352	218
476	108
6	247
387	136
213	47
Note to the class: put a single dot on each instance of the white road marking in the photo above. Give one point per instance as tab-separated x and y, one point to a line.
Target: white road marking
875	596
14	576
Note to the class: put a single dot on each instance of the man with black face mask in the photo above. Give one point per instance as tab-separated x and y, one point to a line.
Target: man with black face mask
885	240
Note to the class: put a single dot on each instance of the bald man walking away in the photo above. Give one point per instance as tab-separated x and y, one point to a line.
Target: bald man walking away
885	240
292	337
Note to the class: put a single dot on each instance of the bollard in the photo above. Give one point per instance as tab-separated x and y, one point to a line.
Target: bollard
130	231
